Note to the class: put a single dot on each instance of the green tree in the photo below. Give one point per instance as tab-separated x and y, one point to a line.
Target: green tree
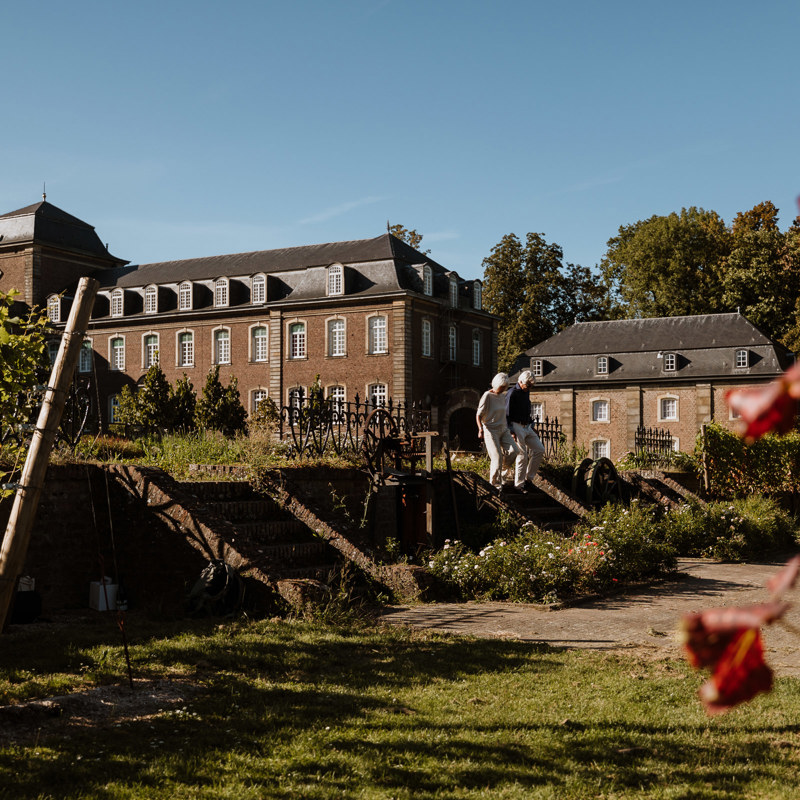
534	293
409	236
220	408
154	399
23	361
668	265
184	404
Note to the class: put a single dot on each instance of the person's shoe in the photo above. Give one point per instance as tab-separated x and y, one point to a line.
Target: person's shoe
528	487
511	490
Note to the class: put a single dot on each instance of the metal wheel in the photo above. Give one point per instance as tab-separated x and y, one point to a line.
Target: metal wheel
378	442
580	477
604	484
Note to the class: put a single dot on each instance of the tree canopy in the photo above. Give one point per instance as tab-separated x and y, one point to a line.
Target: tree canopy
408	235
535	294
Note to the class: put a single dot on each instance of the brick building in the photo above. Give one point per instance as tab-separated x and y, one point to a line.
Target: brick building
603	380
373	317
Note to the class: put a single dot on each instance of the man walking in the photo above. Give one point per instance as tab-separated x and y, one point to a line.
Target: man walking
493	429
518	416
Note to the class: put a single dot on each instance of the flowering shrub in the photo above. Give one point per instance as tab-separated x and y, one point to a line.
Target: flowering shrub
538	566
733	531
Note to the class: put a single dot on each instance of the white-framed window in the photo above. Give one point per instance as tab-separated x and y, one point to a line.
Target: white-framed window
537	411
453	292
54	308
259	343
742	359
537	367
377	394
427	343
477	296
258	291
222	346
600	449
670	362
477	342
116	352
151	300
452	343
336	338
186	349
185	296
85	357
297	340
335	279
259	396
337	395
601	365
377	339
667	408
427	280
52	350
221	293
113	408
117	302
296	395
149	350
600	411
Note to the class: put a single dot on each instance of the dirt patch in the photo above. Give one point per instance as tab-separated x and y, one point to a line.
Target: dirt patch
96	708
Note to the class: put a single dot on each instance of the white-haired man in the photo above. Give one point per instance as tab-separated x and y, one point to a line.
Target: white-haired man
518	418
493	429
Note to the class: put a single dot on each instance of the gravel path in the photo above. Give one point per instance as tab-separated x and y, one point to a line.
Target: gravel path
645	620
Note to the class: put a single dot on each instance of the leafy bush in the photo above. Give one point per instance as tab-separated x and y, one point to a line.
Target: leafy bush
769	465
612	545
733	531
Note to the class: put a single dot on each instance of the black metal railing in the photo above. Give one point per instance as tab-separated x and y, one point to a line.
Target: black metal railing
550	433
653	446
315	425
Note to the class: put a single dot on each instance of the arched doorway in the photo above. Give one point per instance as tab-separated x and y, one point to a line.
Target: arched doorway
462	432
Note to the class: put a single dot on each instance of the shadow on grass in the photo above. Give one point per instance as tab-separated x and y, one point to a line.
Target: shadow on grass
288	710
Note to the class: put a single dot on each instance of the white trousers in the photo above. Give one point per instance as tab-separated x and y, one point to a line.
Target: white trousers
531	453
502	450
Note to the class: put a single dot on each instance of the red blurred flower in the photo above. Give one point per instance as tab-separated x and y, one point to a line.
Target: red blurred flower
728	641
771	408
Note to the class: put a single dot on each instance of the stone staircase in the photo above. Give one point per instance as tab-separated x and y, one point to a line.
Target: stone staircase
264	533
549	507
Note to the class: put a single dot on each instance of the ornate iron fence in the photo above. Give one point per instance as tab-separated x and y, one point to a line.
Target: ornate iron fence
550	433
654	446
315	425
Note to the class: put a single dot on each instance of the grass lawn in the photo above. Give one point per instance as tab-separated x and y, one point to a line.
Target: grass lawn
287	709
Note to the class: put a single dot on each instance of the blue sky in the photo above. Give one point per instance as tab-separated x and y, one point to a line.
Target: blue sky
182	129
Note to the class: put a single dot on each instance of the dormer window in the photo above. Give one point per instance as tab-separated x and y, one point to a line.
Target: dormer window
117	303
258	294
185	296
537	367
221	293
335	279
670	362
742	359
601	365
54	308
427	280
150	300
477	296
454	292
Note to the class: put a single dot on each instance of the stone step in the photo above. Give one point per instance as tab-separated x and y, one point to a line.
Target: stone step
241	510
212	491
272	530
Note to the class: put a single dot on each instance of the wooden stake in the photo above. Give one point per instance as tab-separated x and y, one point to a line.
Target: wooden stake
26	500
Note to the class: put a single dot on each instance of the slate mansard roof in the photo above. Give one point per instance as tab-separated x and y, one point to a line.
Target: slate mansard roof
705	347
45	224
379	266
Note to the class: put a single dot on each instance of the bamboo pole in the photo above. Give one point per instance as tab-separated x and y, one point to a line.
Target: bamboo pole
26	500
